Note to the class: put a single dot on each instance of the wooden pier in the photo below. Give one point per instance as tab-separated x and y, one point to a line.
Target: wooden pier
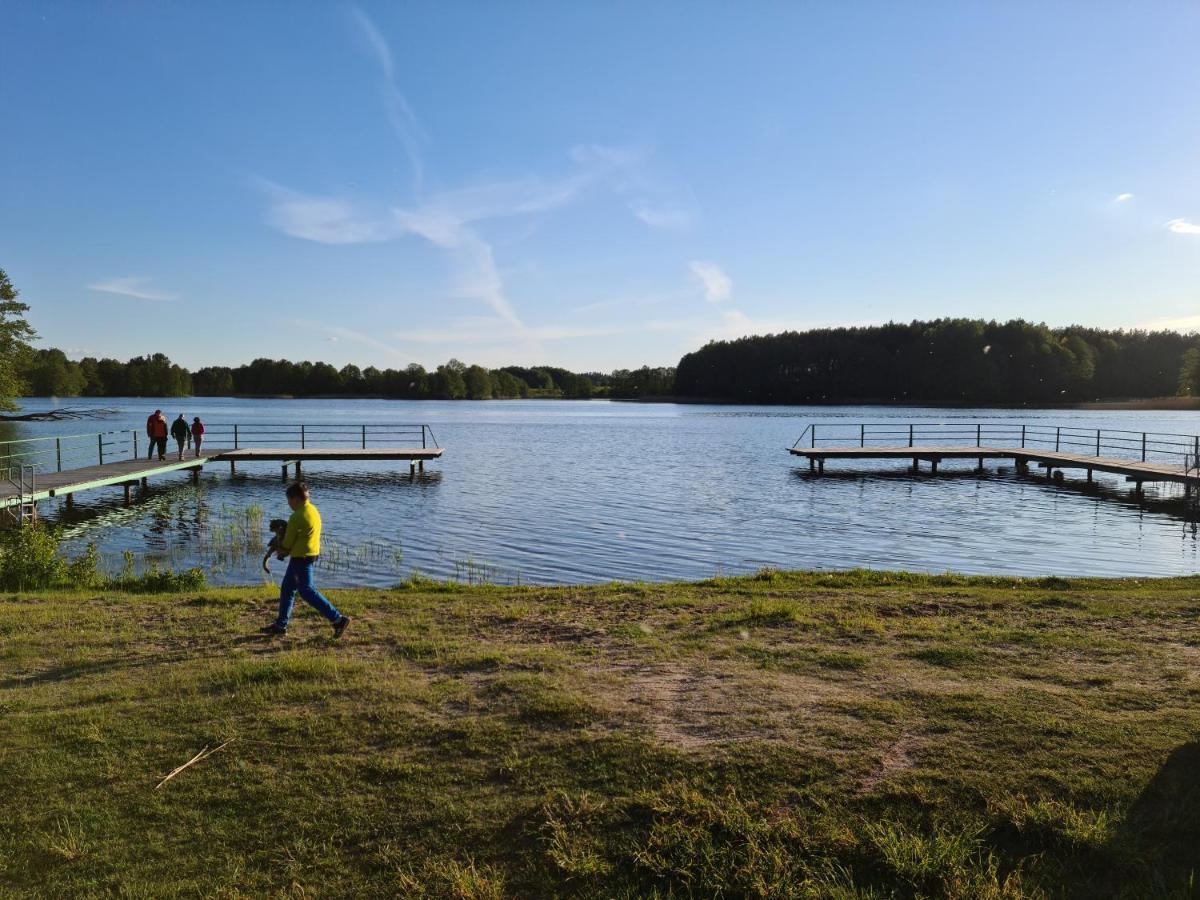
1140	457
45	468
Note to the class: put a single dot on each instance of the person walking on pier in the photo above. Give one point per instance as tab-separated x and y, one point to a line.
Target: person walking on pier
156	430
302	542
181	432
197	434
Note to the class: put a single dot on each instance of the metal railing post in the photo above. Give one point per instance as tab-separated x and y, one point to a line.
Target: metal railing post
424	428
862	435
910	434
812	440
1143	446
58	452
1097	441
978	435
100	445
364	437
301	437
1057	437
235	437
1022	437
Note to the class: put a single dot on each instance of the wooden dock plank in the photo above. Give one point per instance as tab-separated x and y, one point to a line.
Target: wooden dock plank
128	471
70	481
1135	470
291	454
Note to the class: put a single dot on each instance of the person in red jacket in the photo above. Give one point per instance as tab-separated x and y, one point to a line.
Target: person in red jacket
197	434
156	430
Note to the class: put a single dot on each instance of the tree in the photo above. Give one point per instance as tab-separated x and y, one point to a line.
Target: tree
51	374
15	335
479	383
1189	374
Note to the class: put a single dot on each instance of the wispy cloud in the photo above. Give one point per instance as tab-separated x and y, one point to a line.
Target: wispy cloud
446	220
717	285
1183	226
403	120
1122	198
666	219
135	287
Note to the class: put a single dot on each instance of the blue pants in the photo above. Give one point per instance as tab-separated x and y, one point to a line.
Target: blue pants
298	579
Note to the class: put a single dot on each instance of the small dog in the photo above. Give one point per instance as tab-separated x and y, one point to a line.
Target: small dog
278	527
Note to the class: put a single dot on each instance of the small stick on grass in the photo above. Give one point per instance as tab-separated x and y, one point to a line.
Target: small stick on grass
203	754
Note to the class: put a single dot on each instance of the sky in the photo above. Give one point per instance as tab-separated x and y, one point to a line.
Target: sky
591	185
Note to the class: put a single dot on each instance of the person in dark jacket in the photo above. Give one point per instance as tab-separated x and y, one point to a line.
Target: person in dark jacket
156	430
181	432
197	434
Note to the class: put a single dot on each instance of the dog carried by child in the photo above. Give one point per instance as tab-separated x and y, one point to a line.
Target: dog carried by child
278	529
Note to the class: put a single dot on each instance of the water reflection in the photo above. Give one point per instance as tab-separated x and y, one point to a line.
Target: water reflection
545	492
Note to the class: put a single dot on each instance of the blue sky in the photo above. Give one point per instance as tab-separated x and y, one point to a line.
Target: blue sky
589	185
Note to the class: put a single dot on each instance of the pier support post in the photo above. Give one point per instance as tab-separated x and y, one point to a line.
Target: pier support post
412	470
916	465
421	465
933	466
232	467
1089	477
126	486
812	464
821	466
196	475
145	481
70	501
979	466
297	470
284	473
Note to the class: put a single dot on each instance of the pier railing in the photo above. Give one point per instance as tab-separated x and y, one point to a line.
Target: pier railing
1147	446
268	434
77	451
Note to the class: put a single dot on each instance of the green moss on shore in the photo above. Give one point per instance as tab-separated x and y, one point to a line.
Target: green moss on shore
808	735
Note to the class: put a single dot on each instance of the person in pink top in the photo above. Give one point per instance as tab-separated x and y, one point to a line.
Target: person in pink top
197	434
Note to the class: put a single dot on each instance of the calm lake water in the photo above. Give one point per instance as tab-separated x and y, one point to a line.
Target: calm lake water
569	492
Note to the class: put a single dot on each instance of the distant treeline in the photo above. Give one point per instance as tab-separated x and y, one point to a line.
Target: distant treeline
944	361
49	373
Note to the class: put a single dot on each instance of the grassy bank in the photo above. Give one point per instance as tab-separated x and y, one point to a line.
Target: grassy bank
850	735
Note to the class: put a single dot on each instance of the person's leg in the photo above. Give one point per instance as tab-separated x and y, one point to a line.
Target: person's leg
287	595
309	594
199	441
180	443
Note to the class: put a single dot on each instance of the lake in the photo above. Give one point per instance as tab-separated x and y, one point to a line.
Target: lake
550	492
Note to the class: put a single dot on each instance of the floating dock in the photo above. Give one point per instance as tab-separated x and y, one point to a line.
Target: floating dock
1140	457
39	469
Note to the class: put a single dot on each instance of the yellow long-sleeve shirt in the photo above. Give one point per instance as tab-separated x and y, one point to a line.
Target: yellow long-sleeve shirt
303	535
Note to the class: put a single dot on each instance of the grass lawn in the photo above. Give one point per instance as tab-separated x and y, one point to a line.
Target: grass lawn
806	735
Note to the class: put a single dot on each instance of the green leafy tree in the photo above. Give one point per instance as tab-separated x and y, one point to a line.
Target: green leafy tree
1189	374
51	374
479	383
15	335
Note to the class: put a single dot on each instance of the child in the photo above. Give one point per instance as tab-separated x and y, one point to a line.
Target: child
278	528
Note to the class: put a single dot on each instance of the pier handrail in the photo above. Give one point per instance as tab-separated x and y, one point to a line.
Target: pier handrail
76	451
1099	442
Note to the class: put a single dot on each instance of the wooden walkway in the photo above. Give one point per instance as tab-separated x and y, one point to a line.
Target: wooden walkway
1133	470
130	472
127	473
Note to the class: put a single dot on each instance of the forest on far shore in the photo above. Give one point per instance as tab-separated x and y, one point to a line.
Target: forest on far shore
944	361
